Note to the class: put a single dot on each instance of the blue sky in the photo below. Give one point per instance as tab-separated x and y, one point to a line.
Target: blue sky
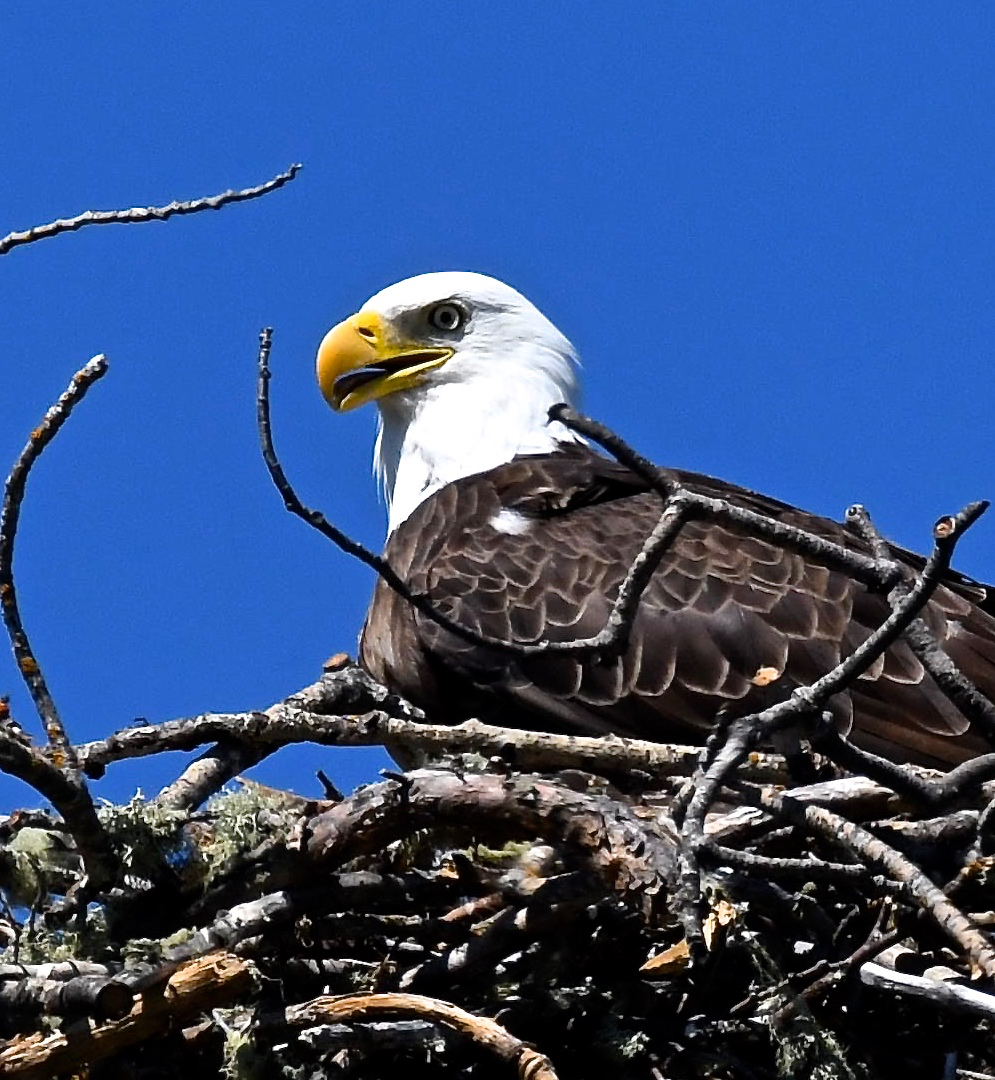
768	228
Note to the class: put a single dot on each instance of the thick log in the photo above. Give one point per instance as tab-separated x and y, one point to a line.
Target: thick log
200	984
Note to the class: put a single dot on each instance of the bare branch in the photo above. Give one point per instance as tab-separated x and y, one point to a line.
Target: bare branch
960	999
529	1064
861	567
140	214
210	772
679	505
287	722
963	693
97	996
750	731
13	496
58	779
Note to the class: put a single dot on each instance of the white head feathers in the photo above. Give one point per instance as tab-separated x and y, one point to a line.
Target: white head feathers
480	407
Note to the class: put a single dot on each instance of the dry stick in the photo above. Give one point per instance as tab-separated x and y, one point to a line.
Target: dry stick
950	996
193	988
947	676
344	687
970	774
679	505
635	857
209	773
70	796
60	970
530	1064
827	973
284	724
13	496
98	996
139	214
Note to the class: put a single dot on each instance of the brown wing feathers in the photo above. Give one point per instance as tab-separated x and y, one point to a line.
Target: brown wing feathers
721	606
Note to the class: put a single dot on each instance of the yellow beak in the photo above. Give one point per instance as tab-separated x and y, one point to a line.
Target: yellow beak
359	361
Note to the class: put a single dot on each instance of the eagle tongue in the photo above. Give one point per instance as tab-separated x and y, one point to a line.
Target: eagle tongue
353	380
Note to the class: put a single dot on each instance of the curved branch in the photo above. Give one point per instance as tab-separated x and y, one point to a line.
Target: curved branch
529	1063
635	856
13	496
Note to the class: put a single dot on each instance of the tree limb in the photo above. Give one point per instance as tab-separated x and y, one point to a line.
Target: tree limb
13	496
529	1064
139	214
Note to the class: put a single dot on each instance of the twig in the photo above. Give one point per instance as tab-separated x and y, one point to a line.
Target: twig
960	690
948	677
508	932
284	724
210	772
956	783
530	1064
810	869
12	498
139	214
318	521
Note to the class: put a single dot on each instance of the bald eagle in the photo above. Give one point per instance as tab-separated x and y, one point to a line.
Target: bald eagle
517	529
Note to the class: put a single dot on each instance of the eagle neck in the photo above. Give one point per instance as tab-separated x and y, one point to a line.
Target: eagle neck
432	438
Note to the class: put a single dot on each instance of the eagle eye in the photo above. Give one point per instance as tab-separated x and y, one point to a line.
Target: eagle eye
447	316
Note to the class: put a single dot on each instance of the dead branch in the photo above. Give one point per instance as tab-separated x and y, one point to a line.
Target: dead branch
57	779
194	987
745	733
530	1064
973	704
71	798
861	567
945	995
285	723
60	970
507	932
13	496
139	214
96	996
634	856
679	504
209	773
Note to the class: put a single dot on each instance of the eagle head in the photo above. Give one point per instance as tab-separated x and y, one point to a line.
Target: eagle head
464	371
